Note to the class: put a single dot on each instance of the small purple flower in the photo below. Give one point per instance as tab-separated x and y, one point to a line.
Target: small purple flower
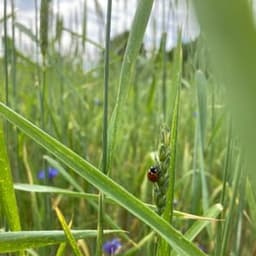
97	101
195	114
112	247
52	172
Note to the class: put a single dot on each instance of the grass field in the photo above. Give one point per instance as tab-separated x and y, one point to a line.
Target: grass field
77	145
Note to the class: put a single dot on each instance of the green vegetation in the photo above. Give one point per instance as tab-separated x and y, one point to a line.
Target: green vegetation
77	144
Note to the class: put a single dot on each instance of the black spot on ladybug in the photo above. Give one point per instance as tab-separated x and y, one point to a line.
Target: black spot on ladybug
153	174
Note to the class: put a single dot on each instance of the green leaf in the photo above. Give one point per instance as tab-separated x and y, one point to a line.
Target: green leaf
7	195
20	240
53	190
136	34
68	233
163	247
199	225
103	183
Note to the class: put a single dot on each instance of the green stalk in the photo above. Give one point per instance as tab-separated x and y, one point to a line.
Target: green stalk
14	86
13	54
202	114
44	17
6	55
105	129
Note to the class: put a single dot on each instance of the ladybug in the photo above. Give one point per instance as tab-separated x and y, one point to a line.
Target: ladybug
153	174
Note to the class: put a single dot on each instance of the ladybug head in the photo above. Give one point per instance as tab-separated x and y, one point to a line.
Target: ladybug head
153	174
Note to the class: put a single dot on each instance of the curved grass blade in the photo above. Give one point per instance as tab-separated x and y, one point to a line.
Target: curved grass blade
103	183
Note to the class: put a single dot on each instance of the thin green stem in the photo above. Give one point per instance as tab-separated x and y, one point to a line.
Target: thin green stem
105	128
106	80
164	74
6	55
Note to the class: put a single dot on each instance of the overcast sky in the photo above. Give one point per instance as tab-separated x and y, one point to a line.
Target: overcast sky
122	15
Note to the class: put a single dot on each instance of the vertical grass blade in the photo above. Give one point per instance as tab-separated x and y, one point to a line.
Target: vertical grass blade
202	110
7	194
163	248
133	46
105	128
232	208
6	55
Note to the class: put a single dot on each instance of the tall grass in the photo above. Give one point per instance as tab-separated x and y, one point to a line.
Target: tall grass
101	191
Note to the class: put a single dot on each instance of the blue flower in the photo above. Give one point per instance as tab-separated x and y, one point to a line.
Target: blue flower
52	172
112	247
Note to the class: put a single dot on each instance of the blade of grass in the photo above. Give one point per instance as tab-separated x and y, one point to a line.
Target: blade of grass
133	46
103	183
223	198
6	55
68	232
53	190
250	195
163	247
199	225
202	110
105	128
7	194
232	208
20	240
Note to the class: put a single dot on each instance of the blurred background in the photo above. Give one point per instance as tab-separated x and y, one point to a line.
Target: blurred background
58	85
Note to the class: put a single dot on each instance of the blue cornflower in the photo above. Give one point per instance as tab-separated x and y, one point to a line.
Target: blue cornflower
112	247
52	172
195	114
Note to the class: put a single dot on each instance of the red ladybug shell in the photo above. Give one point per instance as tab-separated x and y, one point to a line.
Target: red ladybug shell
153	174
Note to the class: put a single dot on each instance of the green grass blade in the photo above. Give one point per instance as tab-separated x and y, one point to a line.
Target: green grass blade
163	247
7	195
103	183
53	190
202	110
92	198
176	80
202	104
68	233
232	208
199	225
20	240
250	195
168	212
133	46
105	128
